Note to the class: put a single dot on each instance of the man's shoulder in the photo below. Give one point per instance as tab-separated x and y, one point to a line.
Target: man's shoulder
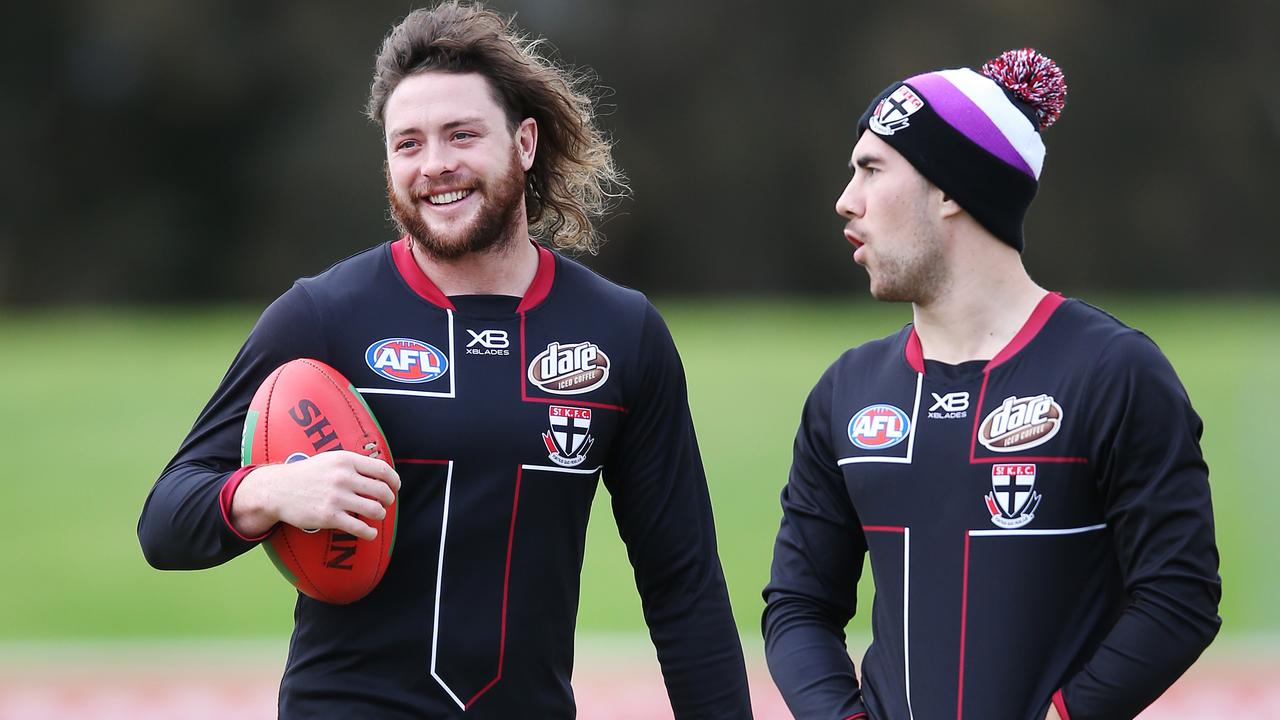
1099	333
879	352
359	266
879	360
575	282
308	297
1082	316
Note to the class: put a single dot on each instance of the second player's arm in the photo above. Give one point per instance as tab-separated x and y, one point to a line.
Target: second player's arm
812	592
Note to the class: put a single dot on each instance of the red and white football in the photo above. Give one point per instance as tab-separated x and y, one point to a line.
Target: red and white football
303	408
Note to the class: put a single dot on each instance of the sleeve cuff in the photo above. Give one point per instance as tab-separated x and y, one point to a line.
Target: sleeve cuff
224	502
1060	704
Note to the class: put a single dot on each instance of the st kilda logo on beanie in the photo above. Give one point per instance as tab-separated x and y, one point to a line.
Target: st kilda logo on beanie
893	113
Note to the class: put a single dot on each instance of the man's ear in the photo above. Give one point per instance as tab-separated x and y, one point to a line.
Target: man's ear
948	207
527	141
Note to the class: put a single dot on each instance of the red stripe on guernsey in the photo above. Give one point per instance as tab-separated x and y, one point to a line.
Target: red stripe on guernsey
1029	330
542	280
1028	458
422	285
883	528
506	583
1044	309
225	496
1060	704
915	353
977	417
524	388
964	617
413	275
855	716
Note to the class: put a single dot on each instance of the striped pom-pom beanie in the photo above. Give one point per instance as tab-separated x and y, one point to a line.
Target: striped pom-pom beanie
976	135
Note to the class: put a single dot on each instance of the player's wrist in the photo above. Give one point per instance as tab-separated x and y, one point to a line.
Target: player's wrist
250	512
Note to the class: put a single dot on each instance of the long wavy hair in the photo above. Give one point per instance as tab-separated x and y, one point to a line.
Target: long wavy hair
573	178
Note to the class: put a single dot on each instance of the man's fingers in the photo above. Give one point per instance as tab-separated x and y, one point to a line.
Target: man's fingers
353	525
378	470
371	509
374	489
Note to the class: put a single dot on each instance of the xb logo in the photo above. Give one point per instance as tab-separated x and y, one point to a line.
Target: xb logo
951	402
491	339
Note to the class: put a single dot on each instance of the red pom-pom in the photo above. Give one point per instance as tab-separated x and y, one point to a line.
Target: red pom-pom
1035	79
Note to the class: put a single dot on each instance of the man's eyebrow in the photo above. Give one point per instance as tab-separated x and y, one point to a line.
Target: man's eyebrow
451	125
863	161
477	120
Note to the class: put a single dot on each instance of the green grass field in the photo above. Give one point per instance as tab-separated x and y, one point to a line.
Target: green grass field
94	402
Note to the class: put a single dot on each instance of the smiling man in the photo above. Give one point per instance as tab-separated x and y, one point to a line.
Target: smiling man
529	379
1023	469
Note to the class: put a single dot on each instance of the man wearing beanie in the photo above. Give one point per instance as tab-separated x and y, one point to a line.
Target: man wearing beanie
1023	469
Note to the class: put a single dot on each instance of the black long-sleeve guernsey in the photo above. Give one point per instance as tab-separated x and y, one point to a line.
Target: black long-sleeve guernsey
501	414
1039	527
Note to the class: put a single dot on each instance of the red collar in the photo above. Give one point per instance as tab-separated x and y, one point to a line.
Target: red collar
427	290
1032	327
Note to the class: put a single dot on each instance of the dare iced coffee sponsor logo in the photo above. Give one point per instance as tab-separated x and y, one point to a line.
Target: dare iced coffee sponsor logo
570	368
1021	423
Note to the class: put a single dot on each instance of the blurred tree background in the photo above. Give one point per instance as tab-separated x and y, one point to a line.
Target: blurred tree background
191	151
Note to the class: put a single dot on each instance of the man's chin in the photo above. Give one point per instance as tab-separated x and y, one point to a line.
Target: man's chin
458	245
885	293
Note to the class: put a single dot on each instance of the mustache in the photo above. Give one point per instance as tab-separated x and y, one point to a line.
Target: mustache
427	187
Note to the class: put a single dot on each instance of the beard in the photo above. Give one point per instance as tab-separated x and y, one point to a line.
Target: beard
916	273
492	227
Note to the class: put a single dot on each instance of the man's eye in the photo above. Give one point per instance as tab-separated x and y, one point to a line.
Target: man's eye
463	135
407	145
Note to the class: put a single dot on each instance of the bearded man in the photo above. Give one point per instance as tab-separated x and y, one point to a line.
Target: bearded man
537	378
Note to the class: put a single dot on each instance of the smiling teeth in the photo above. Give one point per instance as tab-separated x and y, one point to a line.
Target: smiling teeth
446	198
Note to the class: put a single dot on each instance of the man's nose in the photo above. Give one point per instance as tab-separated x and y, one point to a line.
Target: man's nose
437	160
849	204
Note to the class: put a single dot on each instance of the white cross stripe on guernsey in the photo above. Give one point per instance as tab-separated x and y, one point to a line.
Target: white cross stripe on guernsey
1016	128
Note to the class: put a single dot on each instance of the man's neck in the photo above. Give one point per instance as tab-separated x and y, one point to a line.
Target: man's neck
978	314
504	270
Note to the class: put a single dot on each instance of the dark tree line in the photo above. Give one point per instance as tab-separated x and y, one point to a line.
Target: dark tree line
162	151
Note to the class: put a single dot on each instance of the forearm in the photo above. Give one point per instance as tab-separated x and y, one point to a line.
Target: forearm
183	525
700	653
809	662
686	606
1151	646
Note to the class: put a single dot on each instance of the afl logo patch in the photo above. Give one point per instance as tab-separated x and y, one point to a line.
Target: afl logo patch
406	360
1020	423
877	427
569	369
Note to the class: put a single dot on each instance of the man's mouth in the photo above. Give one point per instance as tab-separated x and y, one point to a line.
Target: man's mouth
445	198
853	239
